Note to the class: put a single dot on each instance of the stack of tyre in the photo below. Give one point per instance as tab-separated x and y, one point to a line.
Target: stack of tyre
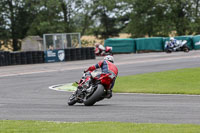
4	58
34	57
20	58
72	54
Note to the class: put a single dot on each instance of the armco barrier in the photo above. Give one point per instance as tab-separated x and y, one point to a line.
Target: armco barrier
149	44
126	45
196	42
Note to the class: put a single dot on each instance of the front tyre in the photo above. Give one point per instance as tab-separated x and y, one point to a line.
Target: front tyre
98	93
72	100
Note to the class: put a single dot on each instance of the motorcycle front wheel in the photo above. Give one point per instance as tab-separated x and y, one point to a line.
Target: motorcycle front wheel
98	93
167	50
72	100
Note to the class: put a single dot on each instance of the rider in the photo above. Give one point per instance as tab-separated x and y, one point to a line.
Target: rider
107	67
172	42
100	49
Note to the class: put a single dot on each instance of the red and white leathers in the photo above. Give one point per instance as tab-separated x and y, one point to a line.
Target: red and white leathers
100	49
108	69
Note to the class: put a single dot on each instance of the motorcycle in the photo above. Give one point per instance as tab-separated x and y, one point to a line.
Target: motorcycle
90	89
107	51
179	46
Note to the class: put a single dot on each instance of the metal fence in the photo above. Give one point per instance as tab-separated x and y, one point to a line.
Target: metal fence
61	41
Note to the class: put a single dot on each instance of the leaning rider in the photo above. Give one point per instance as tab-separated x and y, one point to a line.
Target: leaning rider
107	68
172	42
100	49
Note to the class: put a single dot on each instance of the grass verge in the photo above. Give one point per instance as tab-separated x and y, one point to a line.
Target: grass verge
10	126
182	81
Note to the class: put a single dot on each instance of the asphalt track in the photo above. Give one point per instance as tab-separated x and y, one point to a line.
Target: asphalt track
24	93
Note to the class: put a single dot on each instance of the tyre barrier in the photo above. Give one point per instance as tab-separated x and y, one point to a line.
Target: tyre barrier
34	57
67	55
4	58
83	53
72	54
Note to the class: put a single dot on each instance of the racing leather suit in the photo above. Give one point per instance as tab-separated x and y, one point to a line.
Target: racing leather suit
108	69
100	50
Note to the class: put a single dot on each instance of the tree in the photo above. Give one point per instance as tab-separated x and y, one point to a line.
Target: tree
48	18
160	17
107	22
181	15
148	17
195	27
16	18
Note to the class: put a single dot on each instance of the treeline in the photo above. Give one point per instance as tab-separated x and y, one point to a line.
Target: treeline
102	18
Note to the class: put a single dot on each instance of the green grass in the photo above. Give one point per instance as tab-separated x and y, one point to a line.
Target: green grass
182	81
9	126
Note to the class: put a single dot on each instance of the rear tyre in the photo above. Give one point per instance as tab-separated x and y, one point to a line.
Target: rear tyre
72	100
95	96
186	49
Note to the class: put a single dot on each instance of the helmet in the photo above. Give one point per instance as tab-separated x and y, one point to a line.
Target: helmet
171	39
96	44
109	58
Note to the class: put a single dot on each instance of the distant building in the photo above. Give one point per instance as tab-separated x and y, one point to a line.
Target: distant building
32	43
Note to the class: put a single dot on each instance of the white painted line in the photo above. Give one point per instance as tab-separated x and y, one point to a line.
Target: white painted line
67	87
53	87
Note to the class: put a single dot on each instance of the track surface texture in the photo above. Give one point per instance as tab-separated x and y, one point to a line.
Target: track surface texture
24	93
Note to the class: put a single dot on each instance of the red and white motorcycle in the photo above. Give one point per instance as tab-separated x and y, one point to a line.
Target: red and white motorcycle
91	88
103	51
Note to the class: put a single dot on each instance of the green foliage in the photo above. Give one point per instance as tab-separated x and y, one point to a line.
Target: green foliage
102	18
108	22
161	17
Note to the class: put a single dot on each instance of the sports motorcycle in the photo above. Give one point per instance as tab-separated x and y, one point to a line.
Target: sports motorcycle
179	46
107	51
90	89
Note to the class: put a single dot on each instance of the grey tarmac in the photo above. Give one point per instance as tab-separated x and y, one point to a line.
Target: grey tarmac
24	93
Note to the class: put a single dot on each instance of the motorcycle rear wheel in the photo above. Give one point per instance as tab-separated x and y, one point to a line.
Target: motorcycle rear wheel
95	96
185	48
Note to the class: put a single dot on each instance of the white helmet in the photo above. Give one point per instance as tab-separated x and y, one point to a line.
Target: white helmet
97	44
171	39
109	58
